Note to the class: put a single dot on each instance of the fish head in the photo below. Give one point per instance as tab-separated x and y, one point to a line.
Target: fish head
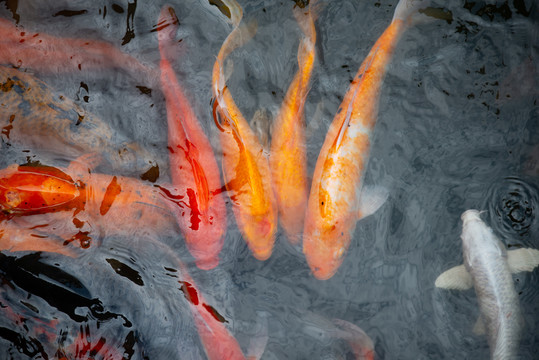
29	189
325	248
259	233
478	239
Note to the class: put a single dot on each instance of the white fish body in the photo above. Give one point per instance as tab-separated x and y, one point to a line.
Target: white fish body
485	258
488	267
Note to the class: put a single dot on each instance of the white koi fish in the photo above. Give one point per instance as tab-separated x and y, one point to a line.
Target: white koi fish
488	267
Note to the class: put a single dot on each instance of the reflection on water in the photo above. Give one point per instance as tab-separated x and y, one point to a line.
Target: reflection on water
458	129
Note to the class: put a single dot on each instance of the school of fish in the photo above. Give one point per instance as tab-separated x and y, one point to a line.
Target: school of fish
66	210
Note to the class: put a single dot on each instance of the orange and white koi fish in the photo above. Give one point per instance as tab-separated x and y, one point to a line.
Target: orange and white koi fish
288	157
245	165
44	208
192	162
336	201
47	53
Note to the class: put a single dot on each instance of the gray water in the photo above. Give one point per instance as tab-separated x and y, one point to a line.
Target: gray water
458	129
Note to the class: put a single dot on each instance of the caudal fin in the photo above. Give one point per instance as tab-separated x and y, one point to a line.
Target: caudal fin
418	11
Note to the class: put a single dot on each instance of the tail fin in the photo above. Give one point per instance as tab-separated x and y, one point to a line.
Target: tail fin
167	26
419	11
360	343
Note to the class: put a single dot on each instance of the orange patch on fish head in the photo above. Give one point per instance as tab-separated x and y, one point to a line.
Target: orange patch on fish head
25	189
58	191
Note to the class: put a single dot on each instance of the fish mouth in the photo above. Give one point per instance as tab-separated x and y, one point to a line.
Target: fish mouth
323	273
262	253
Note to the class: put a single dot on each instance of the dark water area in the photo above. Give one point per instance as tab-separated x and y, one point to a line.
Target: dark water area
458	129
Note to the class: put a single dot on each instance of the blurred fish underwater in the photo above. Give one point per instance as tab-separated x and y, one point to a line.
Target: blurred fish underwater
100	258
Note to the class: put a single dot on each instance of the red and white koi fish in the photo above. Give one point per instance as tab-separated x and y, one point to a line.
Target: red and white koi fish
288	157
217	341
192	161
336	199
245	165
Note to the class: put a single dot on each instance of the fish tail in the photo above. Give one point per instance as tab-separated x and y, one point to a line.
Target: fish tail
237	38
306	17
360	343
410	11
166	28
235	12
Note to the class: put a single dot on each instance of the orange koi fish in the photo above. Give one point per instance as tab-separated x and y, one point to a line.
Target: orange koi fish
43	52
73	205
245	166
192	162
335	201
288	158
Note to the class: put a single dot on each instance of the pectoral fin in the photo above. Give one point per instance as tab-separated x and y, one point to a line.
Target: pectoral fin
457	278
85	163
522	260
479	327
371	199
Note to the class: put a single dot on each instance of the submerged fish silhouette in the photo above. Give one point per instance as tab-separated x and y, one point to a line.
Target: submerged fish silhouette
51	54
33	115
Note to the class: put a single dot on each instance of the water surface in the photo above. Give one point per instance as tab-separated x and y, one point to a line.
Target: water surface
458	129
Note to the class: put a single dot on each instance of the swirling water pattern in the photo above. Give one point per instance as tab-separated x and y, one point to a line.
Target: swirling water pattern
458	128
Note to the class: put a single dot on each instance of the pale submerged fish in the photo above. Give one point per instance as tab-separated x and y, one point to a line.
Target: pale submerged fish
488	267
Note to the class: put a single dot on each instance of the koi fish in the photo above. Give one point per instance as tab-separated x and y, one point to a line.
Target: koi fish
33	115
245	166
215	337
192	162
336	201
47	53
288	158
217	341
326	330
488	267
73	205
360	343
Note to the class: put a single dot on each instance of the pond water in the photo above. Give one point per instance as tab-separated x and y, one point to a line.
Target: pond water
458	129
